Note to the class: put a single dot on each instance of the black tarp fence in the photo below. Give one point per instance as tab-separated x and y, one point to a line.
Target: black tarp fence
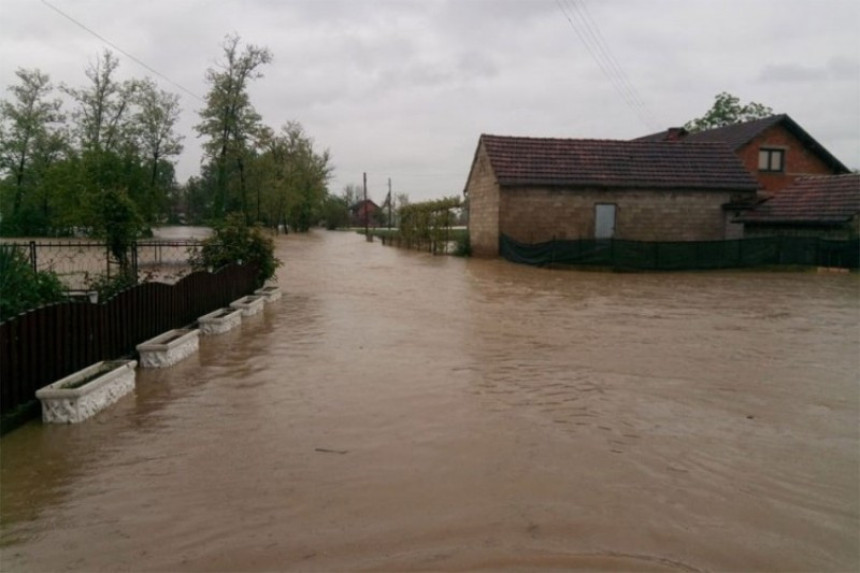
687	255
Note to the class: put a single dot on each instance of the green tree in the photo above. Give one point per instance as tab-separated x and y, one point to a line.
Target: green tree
194	199
295	178
104	107
124	136
120	224
31	139
229	122
335	212
234	241
154	124
727	110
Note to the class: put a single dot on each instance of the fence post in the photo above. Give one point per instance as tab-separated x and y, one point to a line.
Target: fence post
33	255
134	259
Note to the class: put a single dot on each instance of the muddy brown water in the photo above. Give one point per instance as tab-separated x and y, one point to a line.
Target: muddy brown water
398	411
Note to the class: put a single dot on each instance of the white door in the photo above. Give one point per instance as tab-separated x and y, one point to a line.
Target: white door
604	221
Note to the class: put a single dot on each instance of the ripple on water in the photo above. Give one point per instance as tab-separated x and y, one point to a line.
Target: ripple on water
401	411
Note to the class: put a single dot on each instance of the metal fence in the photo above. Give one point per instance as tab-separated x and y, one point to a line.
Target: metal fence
79	262
688	255
46	344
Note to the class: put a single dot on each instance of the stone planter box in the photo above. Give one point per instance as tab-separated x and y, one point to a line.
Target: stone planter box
249	305
220	321
169	348
271	293
80	395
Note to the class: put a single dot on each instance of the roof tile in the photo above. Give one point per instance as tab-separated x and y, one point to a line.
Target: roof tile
821	199
519	161
737	135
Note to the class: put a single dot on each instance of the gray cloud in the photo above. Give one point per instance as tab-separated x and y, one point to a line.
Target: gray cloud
404	88
836	69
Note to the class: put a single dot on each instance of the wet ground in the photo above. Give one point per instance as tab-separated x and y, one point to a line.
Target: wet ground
398	411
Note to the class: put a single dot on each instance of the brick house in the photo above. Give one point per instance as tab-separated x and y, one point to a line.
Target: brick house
775	149
823	206
363	213
537	189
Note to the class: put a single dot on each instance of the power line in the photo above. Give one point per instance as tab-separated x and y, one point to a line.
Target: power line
120	50
600	54
589	33
594	30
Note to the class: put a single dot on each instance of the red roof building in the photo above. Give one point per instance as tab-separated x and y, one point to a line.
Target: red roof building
363	213
537	189
827	206
775	149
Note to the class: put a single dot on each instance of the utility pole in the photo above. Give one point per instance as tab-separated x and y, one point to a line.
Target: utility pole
389	203
366	229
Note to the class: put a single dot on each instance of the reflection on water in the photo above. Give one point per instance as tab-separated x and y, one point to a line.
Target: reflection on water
400	411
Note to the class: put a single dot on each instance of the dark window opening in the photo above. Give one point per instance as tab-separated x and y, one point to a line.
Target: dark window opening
772	160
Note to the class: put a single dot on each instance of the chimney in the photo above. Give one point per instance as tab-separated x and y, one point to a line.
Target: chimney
675	134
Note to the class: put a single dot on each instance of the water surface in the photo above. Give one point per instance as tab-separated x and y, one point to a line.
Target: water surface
398	411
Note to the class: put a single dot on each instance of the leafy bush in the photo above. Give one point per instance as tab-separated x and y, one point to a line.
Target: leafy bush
107	287
22	288
235	242
121	225
464	246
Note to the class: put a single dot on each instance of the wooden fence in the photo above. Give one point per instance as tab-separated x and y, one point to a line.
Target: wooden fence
43	345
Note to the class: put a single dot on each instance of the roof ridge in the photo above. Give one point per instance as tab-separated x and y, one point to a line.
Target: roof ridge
601	140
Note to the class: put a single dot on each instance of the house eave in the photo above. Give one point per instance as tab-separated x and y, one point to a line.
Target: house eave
603	186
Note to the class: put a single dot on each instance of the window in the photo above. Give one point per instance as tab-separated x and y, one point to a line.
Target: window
771	160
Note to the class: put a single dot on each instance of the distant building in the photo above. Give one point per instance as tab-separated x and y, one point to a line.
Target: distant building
824	206
537	189
775	149
363	213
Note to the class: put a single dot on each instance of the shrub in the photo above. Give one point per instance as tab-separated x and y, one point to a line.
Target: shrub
464	246
107	287
235	242
121	226
22	288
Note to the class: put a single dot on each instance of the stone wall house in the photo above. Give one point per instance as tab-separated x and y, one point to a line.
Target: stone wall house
824	206
775	149
538	189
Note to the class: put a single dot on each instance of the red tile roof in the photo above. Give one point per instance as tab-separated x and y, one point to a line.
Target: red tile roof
520	161
824	199
739	134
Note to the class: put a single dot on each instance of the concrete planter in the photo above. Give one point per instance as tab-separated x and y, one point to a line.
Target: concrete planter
86	392
169	348
270	292
249	305
220	321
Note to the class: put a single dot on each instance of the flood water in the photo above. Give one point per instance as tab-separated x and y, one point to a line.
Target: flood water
398	411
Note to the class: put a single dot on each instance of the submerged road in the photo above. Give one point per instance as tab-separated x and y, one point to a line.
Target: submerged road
398	411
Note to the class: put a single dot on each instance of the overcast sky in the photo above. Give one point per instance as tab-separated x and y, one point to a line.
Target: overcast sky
403	89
